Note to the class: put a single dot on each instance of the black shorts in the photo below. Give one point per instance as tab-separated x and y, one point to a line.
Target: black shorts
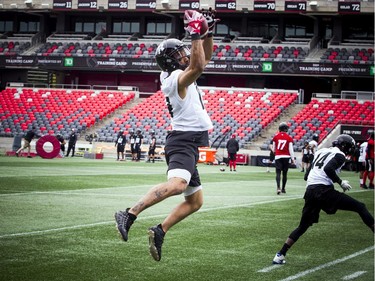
151	151
133	148
181	152
361	166
305	158
120	148
326	198
282	164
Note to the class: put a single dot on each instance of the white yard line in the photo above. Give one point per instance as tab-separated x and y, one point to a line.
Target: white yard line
354	275
46	231
325	265
82	191
269	268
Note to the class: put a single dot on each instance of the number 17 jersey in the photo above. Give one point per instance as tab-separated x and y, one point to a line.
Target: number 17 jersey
282	142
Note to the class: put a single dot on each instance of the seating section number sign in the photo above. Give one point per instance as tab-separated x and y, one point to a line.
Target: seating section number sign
62	4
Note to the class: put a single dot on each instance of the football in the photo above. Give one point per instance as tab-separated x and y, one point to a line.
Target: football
222	169
204	27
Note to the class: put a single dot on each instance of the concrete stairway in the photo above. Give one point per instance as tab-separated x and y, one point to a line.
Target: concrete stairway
274	127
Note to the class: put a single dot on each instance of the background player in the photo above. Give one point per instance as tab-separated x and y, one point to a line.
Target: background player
30	135
369	171
282	145
232	148
120	144
305	157
313	145
320	192
152	147
362	163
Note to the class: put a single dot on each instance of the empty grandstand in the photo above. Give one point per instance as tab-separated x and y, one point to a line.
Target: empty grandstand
265	62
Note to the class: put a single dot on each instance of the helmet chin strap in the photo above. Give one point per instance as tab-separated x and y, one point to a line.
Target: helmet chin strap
184	66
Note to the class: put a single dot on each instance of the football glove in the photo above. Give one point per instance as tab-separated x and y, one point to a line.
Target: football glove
210	16
345	185
193	22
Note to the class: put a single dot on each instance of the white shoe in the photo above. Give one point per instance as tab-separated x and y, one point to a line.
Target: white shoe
279	259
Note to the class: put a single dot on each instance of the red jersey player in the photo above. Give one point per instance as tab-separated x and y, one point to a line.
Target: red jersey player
282	146
369	171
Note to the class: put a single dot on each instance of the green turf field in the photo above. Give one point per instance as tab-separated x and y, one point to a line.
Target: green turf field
57	223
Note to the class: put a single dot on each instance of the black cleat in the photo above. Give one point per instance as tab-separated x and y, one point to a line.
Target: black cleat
124	220
283	190
156	237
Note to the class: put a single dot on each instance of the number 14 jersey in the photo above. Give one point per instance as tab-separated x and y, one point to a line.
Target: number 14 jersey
317	174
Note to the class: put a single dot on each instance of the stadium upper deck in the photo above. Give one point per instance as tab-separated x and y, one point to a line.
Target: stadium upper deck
245	6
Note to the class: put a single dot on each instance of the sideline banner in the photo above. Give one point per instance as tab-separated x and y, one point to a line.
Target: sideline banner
358	133
149	64
262	160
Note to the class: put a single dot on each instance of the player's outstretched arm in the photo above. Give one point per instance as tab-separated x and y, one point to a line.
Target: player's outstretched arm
210	16
197	62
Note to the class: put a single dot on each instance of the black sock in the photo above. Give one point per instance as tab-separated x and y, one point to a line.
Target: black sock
284	249
159	225
132	216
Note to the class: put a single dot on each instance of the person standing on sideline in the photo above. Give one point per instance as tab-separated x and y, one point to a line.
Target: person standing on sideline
152	147
138	144
120	144
232	148
356	157
321	195
369	171
72	143
30	135
62	141
305	157
313	144
132	145
362	163
282	145
190	123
